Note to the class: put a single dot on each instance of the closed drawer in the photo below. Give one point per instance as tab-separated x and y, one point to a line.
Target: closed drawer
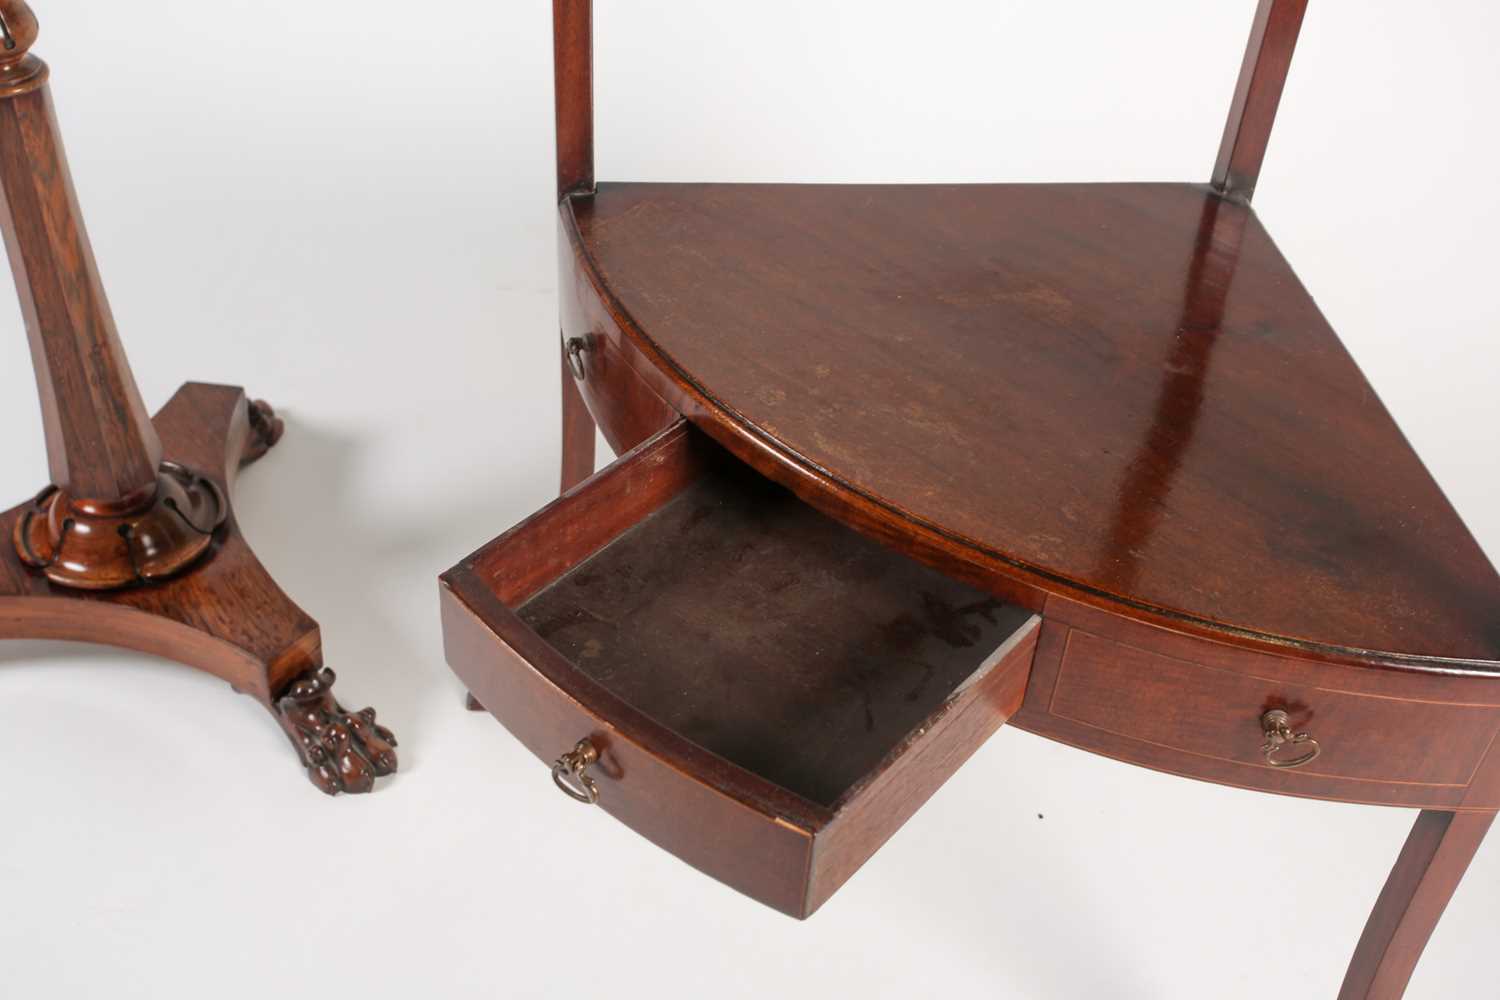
769	695
1407	750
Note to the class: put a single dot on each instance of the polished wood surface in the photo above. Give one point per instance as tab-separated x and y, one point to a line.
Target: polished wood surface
100	442
257	640
577	432
226	617
1214	713
1268	59
709	633
1177	703
573	63
114	515
134	543
1112	404
769	634
1030	371
1432	863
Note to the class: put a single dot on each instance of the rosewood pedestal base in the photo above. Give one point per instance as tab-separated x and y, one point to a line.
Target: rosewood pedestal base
224	614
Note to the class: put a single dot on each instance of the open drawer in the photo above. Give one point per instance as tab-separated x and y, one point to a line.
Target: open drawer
747	683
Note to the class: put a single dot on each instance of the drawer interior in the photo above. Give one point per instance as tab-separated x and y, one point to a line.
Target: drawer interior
769	693
768	633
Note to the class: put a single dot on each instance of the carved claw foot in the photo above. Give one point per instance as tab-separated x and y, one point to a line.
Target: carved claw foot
266	429
343	751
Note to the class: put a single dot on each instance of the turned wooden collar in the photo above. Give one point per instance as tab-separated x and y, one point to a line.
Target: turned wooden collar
20	71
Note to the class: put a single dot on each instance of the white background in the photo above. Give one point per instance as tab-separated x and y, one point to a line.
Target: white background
347	207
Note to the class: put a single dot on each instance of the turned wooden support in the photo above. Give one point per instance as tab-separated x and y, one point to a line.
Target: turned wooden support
114	515
138	501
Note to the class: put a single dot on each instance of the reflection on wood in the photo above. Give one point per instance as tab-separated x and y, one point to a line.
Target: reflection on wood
1149	476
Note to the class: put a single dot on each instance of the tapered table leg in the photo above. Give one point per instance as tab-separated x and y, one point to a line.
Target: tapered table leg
1433	862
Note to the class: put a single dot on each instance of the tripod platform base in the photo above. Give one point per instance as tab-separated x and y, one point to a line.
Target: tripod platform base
224	614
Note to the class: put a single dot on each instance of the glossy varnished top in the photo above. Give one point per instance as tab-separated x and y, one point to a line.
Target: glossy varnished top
1121	389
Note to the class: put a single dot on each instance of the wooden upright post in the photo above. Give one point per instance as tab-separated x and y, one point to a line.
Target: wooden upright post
1268	58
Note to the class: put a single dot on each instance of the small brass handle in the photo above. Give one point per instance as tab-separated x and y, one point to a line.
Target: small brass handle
1278	729
569	773
574	347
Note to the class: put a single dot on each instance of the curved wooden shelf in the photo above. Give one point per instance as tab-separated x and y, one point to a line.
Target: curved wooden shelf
1118	393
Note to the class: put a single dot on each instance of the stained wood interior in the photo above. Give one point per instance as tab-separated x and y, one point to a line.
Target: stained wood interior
770	634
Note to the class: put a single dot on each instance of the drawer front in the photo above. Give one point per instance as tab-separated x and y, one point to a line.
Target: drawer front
763	856
770	695
1206	720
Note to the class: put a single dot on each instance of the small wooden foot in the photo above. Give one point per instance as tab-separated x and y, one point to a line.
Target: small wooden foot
577	431
472	704
1436	855
223	614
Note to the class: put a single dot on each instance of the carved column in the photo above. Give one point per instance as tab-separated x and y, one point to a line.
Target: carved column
138	513
115	514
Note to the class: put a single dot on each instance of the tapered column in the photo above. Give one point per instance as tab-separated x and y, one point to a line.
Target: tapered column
114	515
117	515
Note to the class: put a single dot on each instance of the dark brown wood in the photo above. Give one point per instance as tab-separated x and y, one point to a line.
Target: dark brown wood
577	432
573	70
1189	707
737	637
1433	862
135	543
769	634
99	439
1112	404
1163	687
573	62
226	616
988	368
114	515
1257	95
344	751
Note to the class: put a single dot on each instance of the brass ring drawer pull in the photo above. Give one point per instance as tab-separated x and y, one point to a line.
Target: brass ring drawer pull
1279	736
570	773
574	347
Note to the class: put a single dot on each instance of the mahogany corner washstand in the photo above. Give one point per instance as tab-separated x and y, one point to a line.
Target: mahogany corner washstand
135	544
902	464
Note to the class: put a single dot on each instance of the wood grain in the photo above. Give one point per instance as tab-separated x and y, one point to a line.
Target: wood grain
991	366
577	432
573	64
134	544
769	634
744	664
1114	404
1214	714
1432	863
100	442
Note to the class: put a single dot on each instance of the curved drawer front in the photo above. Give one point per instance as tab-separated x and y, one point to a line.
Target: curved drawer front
649	783
764	693
599	360
1202	709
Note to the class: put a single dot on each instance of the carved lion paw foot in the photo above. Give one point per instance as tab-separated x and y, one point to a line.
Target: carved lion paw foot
266	429
343	751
